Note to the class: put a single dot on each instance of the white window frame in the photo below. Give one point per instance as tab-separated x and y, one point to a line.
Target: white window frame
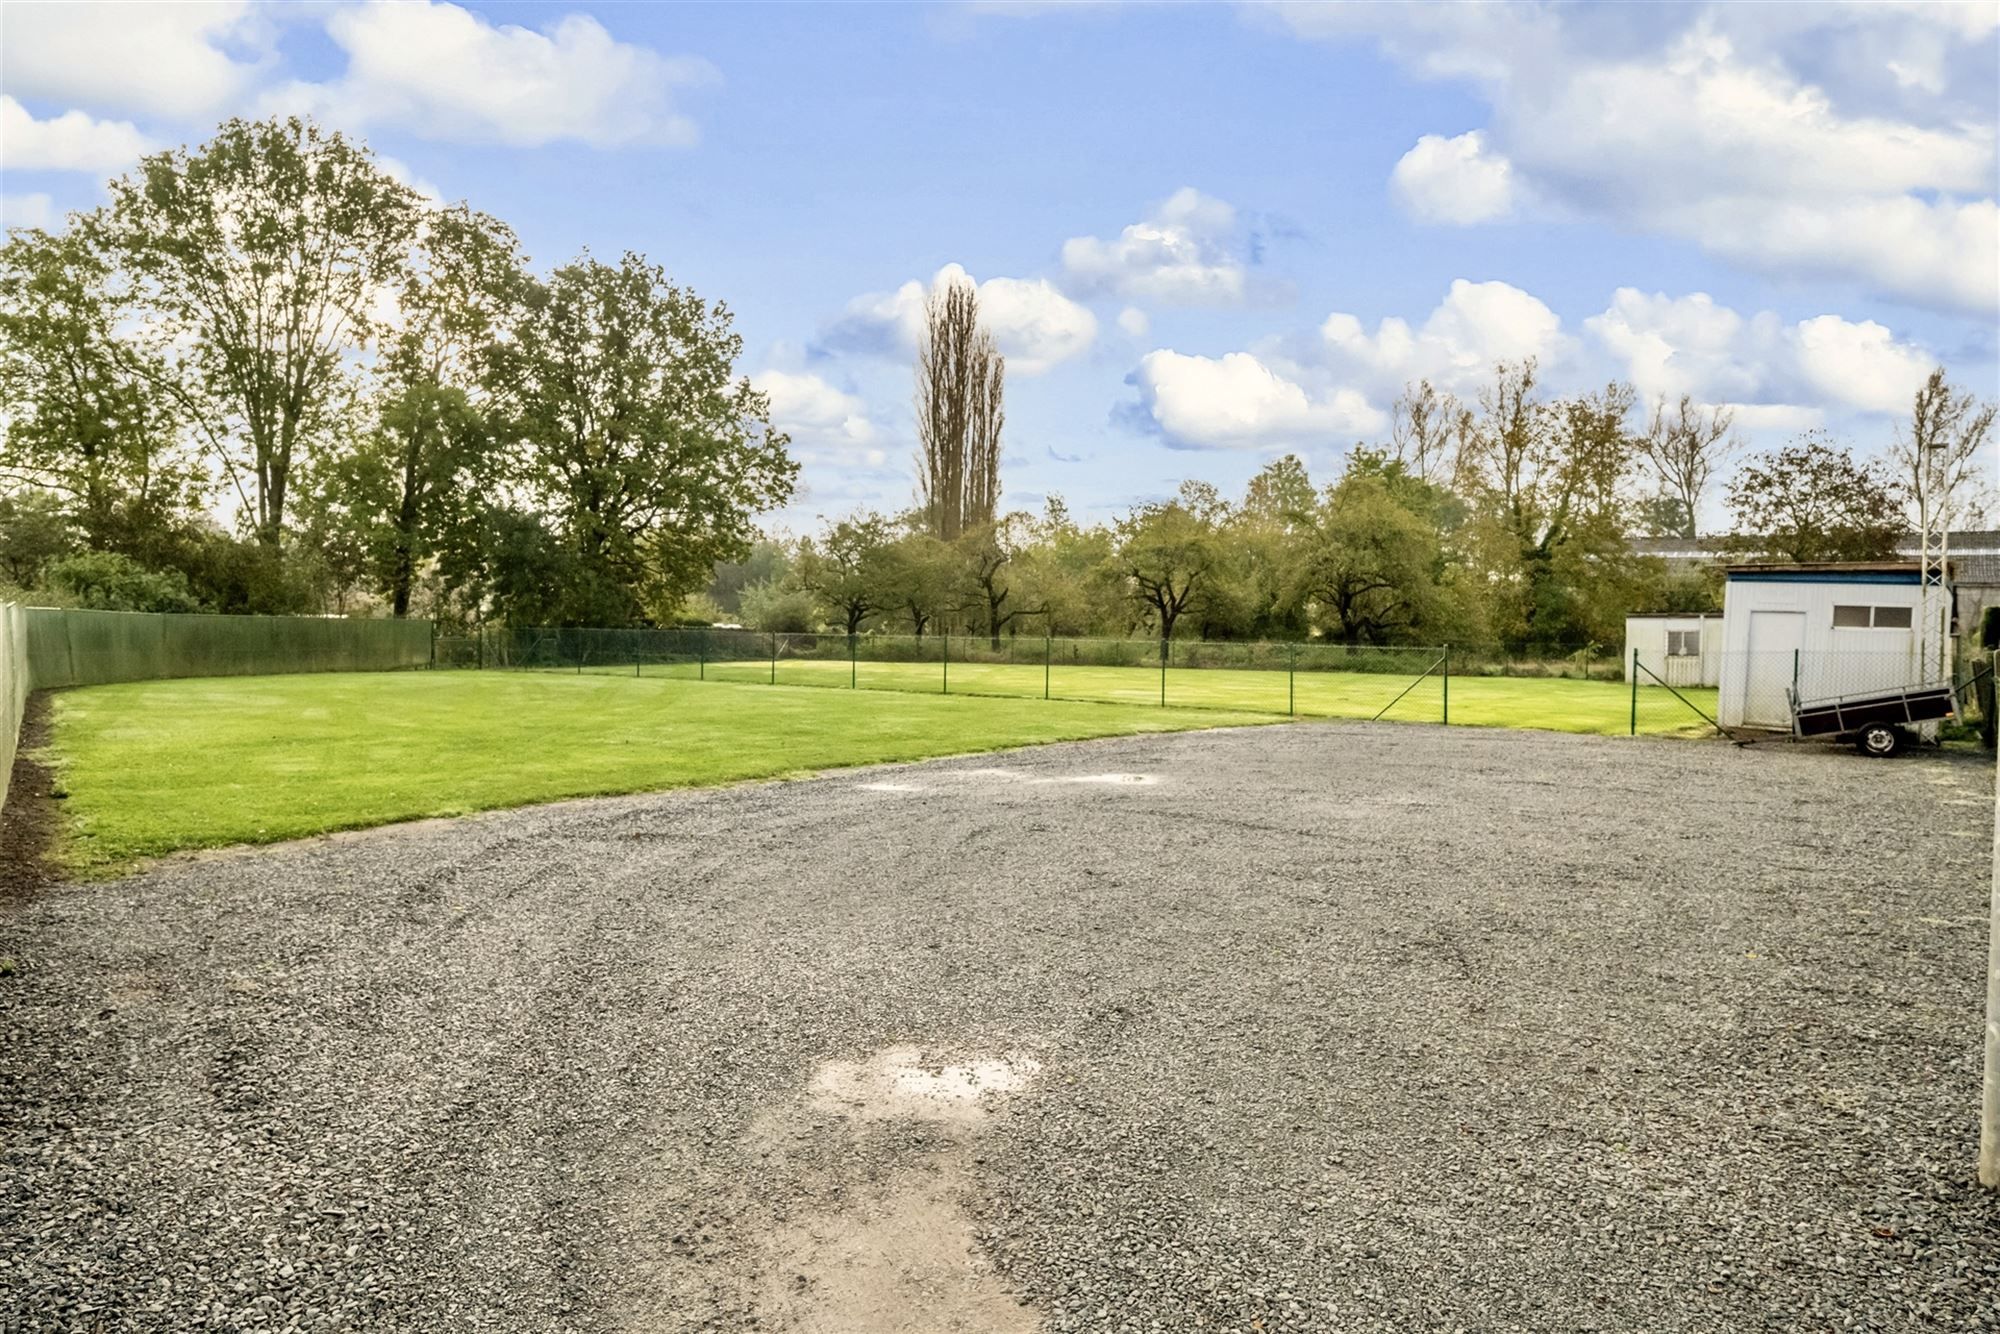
1683	638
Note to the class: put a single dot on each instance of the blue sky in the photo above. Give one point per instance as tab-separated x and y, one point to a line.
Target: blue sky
1205	235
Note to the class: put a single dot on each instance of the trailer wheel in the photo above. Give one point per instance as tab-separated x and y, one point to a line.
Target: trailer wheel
1880	740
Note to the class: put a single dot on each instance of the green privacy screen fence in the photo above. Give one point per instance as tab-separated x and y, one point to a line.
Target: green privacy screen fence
78	648
1408	684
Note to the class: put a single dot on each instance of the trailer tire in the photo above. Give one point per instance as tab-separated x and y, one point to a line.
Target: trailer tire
1881	740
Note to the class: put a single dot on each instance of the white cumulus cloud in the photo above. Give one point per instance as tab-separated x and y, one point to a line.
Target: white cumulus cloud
73	141
1236	401
1476	326
1853	142
819	415
172	60
1179	255
1769	371
444	72
1455	180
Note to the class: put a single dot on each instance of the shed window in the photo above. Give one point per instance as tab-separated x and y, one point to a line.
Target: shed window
1683	643
1864	618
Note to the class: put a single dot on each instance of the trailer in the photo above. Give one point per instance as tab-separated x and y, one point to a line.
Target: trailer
1878	722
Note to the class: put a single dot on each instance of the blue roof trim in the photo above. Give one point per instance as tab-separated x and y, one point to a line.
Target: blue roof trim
1823	577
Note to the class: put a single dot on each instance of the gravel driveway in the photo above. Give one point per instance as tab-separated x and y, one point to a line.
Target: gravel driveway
1305	1028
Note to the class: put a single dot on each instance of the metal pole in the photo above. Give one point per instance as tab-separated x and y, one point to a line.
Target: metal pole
1447	685
1989	1105
1048	657
774	658
701	655
1634	674
945	637
853	659
1292	679
1163	670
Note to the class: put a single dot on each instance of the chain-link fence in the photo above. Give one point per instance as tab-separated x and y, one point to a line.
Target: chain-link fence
69	647
1397	683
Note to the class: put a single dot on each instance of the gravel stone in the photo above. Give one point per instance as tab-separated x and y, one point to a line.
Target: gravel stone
1336	1027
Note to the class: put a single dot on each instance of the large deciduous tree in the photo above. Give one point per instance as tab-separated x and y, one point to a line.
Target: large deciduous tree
1946	474
1544	480
847	571
264	254
1811	501
1684	445
430	441
1170	551
83	388
1371	563
644	449
960	408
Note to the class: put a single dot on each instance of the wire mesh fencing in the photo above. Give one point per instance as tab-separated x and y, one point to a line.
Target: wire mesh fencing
1641	695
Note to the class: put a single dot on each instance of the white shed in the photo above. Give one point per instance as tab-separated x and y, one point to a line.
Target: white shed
1683	648
1819	631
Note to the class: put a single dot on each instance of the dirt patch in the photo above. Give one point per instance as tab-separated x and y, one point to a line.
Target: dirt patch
33	815
900	1261
899	1083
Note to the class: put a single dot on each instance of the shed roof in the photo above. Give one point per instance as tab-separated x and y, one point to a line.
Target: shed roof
1833	572
1673	615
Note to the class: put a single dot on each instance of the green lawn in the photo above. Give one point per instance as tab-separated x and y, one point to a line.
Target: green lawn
158	766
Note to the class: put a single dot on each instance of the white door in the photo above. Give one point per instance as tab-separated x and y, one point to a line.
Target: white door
1775	640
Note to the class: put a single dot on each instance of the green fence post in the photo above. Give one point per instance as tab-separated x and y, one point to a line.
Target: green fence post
1164	644
774	659
1634	674
1795	678
944	637
1048	658
853	662
701	655
1447	685
1292	679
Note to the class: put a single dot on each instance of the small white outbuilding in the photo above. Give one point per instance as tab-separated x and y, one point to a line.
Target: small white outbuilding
1682	648
1820	631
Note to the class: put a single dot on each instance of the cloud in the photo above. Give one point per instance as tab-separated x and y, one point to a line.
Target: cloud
1134	322
1773	136
1236	401
819	416
1454	180
1035	326
443	72
1458	344
73	141
160	59
1940	253
1771	372
1292	392
1861	364
1179	255
29	210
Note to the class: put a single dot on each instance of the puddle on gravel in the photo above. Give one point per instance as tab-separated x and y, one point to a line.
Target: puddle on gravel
897	1082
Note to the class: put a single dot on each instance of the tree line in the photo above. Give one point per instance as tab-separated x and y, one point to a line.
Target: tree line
1504	523
377	389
